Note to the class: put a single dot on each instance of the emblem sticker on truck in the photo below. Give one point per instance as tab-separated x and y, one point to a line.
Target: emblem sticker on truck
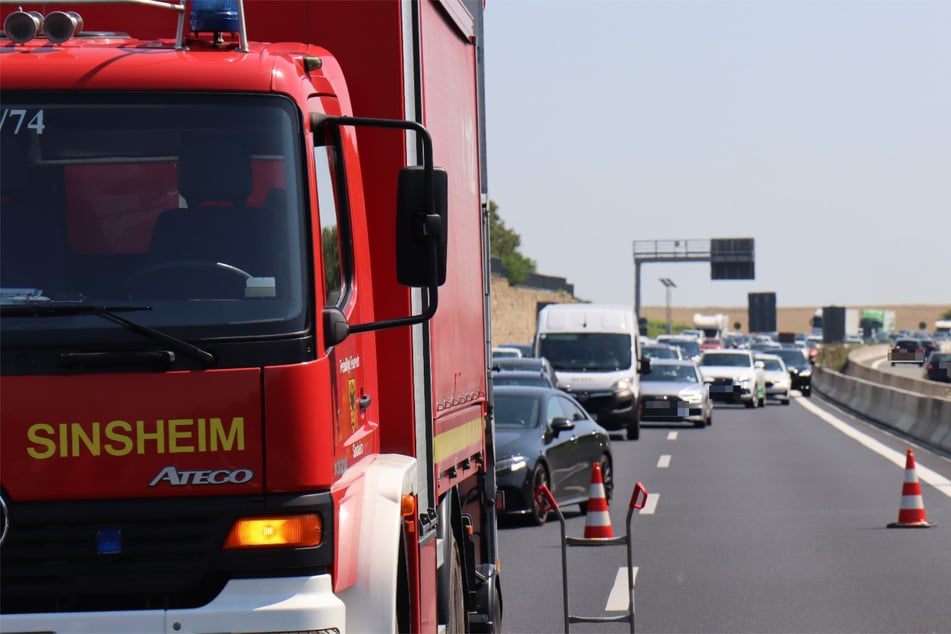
177	478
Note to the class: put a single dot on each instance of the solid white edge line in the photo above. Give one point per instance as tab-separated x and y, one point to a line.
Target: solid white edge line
618	599
664	461
933	478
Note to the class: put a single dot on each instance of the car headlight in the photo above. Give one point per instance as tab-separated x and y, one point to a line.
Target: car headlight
806	373
744	380
622	385
512	463
707	379
691	397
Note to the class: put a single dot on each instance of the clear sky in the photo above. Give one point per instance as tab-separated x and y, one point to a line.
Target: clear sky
821	129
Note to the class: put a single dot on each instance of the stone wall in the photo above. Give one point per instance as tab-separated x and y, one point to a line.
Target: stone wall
514	310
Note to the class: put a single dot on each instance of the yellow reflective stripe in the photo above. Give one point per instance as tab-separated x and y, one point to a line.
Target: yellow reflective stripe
458	439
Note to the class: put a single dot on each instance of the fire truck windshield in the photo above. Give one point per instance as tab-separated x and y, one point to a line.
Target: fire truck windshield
190	204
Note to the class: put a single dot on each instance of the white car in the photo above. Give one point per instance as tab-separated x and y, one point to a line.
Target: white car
734	376
778	380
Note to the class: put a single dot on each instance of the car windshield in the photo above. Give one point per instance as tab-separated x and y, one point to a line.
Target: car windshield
792	358
673	373
772	364
169	201
516	411
520	378
659	352
593	352
688	347
726	360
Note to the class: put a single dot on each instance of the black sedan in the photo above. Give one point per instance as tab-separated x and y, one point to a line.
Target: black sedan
800	369
543	436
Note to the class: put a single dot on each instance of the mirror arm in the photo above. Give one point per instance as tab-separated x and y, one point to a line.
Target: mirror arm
430	227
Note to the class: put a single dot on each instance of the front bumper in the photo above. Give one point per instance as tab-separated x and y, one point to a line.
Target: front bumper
612	410
729	391
244	605
669	408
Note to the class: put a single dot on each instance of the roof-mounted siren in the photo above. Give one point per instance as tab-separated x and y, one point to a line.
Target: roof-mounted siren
219	17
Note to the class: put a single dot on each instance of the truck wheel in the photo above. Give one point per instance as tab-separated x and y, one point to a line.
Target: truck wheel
457	614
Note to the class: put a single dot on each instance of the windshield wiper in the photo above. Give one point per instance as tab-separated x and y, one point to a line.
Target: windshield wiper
45	309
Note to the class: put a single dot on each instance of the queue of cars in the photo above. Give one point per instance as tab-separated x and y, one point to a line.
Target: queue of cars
546	434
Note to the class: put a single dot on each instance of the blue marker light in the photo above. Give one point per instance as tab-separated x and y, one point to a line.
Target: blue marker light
109	541
217	16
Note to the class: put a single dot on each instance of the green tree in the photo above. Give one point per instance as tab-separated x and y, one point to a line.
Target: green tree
503	244
946	314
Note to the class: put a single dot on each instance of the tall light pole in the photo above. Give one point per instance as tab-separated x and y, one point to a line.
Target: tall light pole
668	284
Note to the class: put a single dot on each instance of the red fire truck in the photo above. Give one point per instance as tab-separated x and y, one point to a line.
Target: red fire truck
244	300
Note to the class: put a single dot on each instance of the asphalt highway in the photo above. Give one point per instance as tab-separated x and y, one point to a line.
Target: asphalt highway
770	520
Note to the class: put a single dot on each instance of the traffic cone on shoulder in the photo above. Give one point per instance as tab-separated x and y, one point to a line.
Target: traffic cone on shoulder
598	523
911	514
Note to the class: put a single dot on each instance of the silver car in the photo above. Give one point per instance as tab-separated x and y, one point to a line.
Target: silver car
778	381
674	391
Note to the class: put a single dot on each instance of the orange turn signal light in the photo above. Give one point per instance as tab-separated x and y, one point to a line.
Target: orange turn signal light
291	531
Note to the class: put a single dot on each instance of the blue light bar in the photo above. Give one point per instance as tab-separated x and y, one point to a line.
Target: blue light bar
217	16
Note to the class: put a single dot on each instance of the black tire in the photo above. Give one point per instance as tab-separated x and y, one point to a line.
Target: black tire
457	615
539	477
633	429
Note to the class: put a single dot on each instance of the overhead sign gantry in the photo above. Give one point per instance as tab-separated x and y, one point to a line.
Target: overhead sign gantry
729	258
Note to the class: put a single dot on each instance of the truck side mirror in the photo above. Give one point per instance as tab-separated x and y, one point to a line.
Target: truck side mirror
421	227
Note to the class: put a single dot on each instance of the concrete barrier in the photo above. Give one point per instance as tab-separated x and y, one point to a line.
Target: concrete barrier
924	417
860	366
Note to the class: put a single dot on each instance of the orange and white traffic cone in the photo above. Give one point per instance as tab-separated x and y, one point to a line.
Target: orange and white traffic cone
911	514
598	523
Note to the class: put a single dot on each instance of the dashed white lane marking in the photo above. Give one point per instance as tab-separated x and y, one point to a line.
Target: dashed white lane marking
664	461
650	505
672	435
933	478
619	598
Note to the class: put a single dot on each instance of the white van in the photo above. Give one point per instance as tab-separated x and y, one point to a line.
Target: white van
596	356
